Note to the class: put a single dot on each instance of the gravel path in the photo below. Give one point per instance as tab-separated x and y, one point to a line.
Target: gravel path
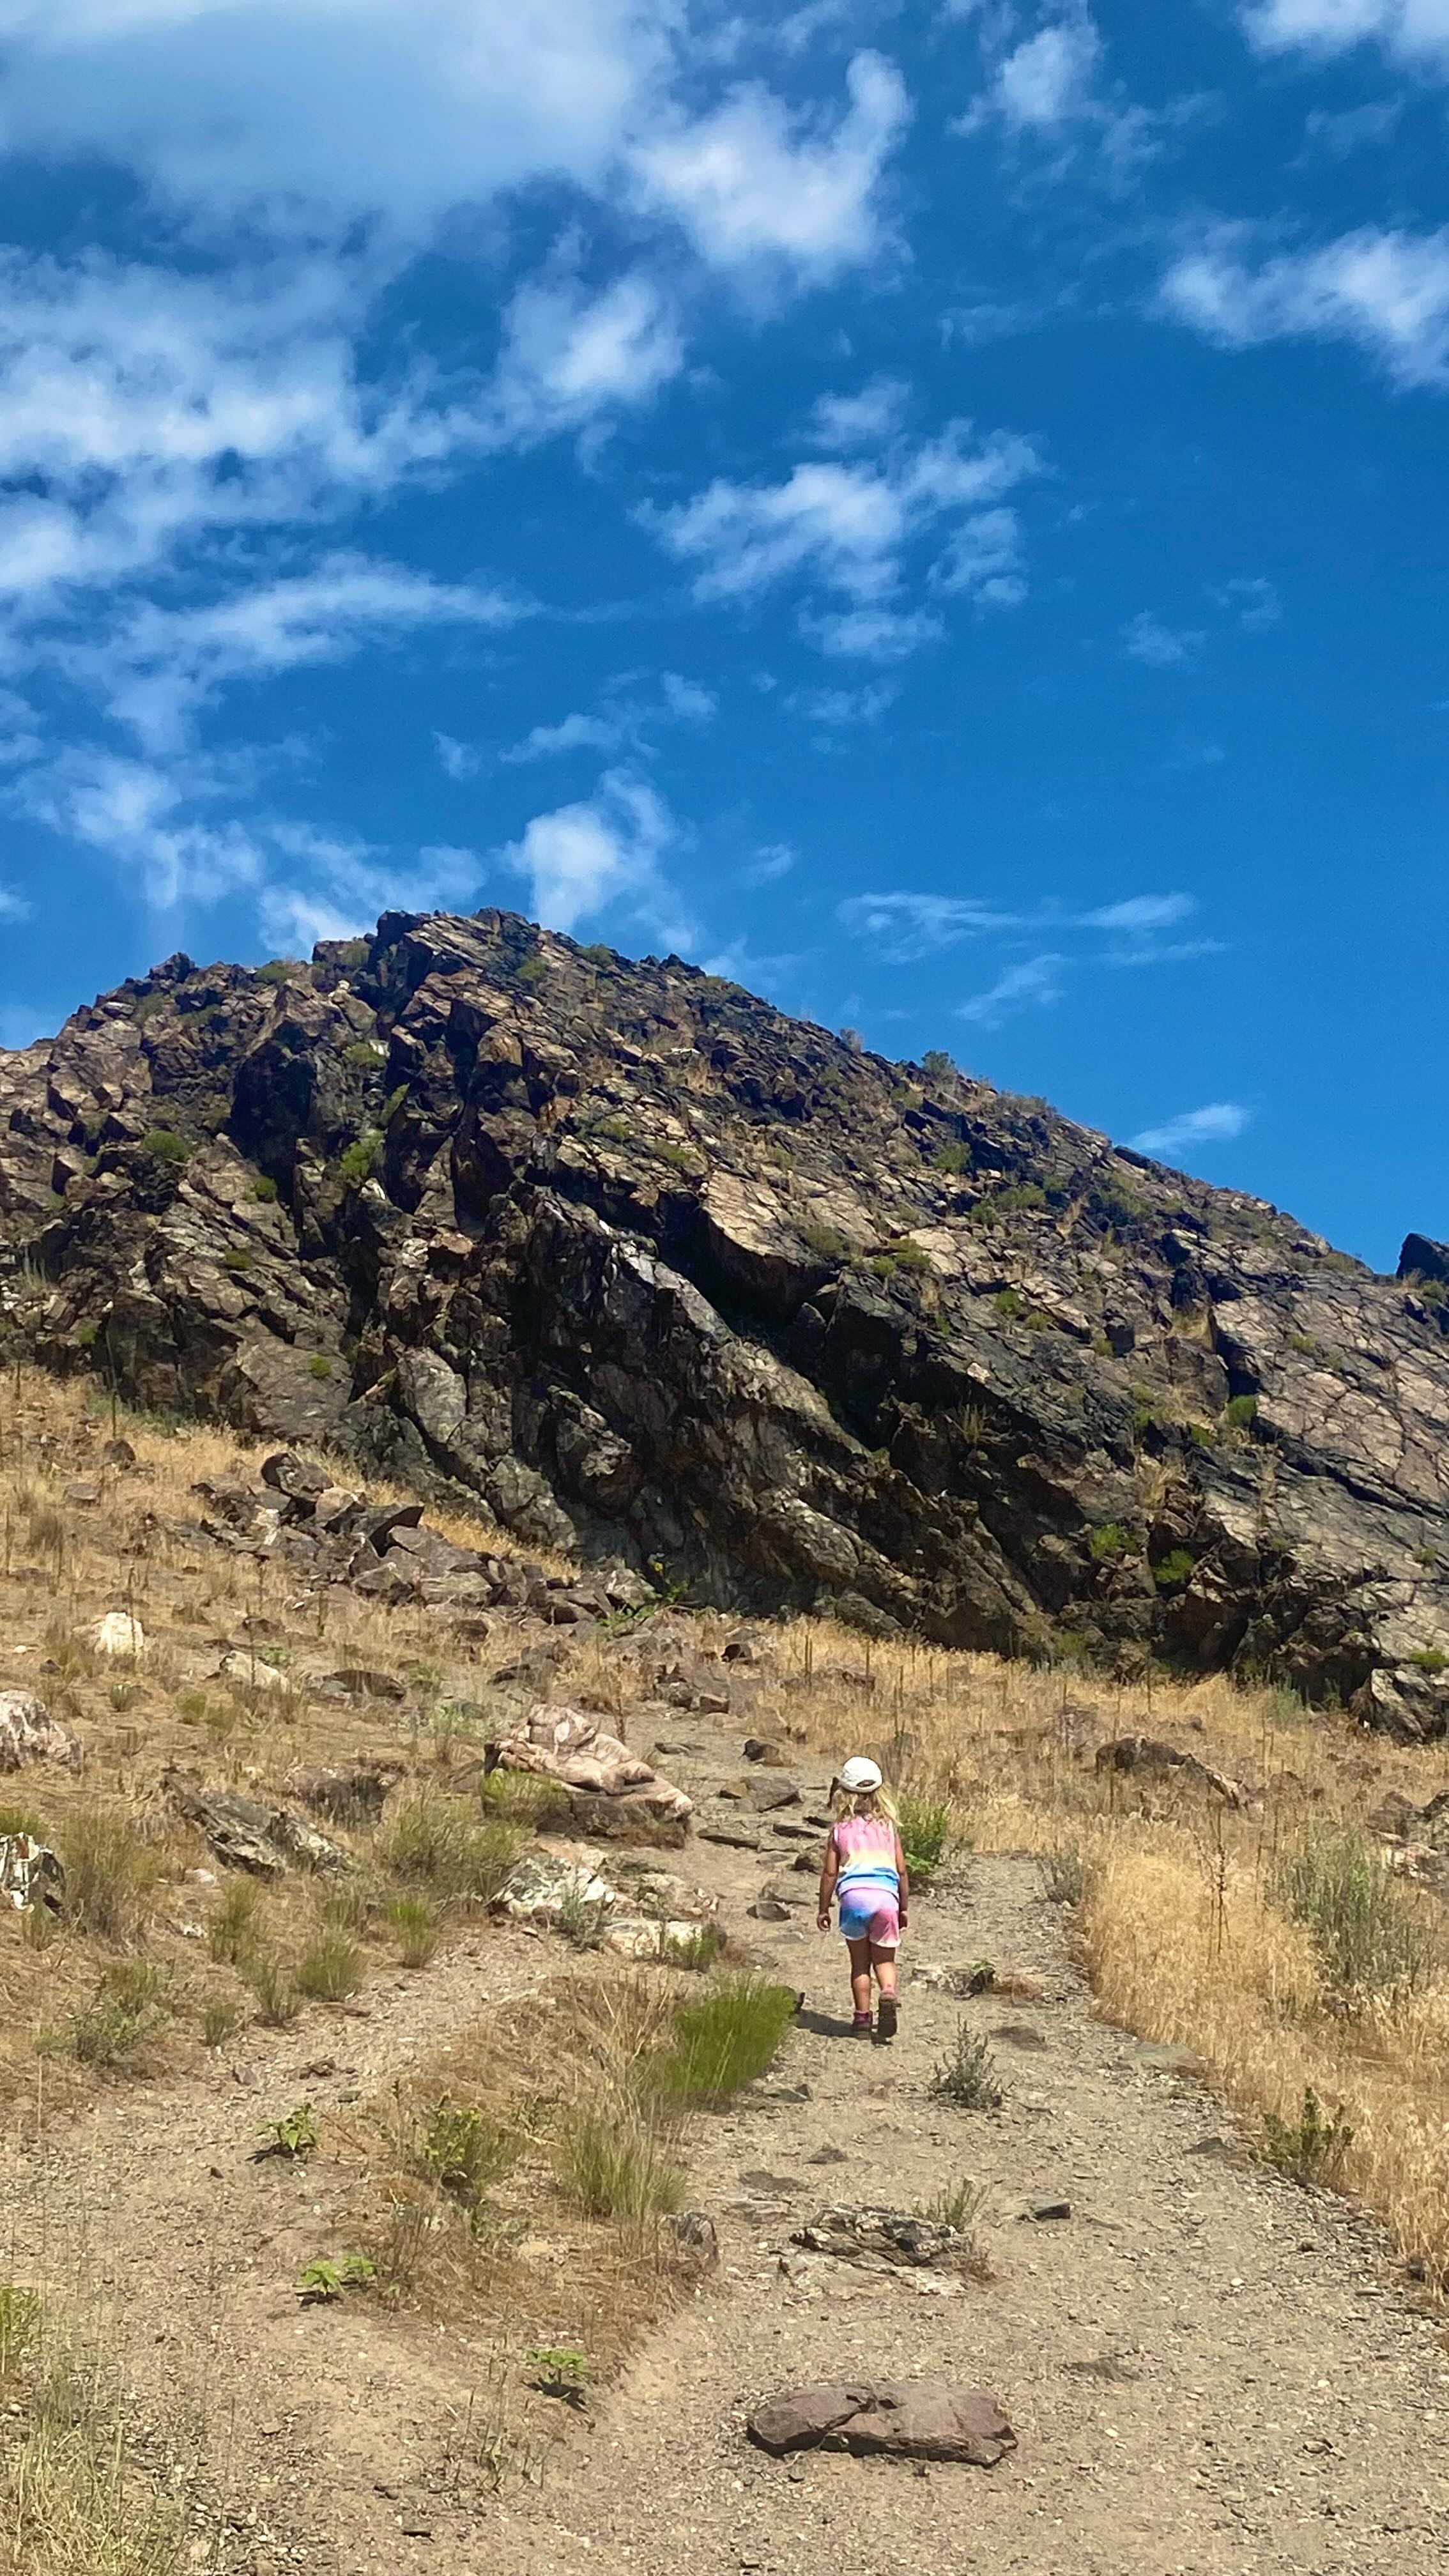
1208	2370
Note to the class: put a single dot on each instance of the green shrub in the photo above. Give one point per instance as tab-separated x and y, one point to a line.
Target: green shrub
280	970
319	1365
532	971
439	1843
952	1157
938	1064
415	1926
1109	1539
264	1190
725	2041
127	2010
237	1261
925	1831
330	1968
278	2002
1173	1570
1063	1874
613	2163
110	1873
966	2075
1430	1659
1369	1933
825	1241
293	2138
359	1161
22	1820
1009	1301
467	2154
220	2021
235	1928
165	1146
1240	1412
364	1055
1310	2149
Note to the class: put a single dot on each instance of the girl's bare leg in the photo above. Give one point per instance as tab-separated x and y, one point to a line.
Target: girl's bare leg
884	1964
860	1962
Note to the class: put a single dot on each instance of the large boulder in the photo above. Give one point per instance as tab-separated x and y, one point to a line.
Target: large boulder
920	2419
28	1733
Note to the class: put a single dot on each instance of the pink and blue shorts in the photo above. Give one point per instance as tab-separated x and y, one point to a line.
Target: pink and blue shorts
869	1916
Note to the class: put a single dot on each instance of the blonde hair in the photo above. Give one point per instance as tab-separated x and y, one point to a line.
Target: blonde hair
865	1802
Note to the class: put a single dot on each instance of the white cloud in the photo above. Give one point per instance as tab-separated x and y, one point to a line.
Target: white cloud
590	858
846	528
628	721
334	885
457	760
844	709
1147	640
1048	79
984	558
567	357
1037	982
1217	1124
330	109
769	864
13	906
688	700
1141	913
751	184
167	663
1387	293
136	815
867	419
1253	601
902	927
571	733
1416	31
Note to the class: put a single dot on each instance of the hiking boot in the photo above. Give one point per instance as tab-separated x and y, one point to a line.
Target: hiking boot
860	2026
887	2018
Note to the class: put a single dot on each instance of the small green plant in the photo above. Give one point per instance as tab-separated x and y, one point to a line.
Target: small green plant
1063	1874
1311	2149
415	1927
165	1146
532	971
465	2153
925	1831
582	1919
697	1949
264	1190
825	1241
20	2314
439	1843
1430	1659
220	2021
961	2207
237	1262
364	1055
330	1968
191	1706
1109	1540
278	2001
612	2162
110	1873
1009	1302
319	1365
1240	1412
727	2040
952	1158
358	1161
559	2371
21	1820
967	2075
1366	1927
322	2281
1172	1571
280	970
938	1064
235	1927
518	1797
293	2137
123	1696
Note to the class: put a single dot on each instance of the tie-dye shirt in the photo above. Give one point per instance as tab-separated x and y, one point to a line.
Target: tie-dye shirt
866	1849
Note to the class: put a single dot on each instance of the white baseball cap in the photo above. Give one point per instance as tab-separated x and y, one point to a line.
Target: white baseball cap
860	1773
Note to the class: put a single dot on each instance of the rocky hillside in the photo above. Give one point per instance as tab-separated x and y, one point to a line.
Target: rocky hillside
665	1276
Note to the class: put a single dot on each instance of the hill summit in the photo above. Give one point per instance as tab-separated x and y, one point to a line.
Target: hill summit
664	1275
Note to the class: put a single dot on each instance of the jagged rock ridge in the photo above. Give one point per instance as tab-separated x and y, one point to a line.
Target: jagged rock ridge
664	1275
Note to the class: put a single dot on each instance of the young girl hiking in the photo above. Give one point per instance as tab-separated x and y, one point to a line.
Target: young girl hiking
865	1867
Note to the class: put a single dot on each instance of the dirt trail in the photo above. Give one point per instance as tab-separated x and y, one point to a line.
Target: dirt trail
1208	2370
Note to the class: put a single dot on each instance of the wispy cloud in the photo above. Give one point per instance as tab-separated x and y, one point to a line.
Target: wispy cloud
1037	981
903	927
1217	1124
1049	89
628	720
13	906
1385	293
1146	639
1414	31
769	864
1254	602
846	529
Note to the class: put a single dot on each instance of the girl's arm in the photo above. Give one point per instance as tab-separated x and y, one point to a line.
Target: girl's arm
829	1873
904	1876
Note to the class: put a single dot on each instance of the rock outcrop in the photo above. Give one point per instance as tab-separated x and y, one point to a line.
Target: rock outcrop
670	1280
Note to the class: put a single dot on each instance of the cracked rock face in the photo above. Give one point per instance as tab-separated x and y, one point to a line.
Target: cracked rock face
668	1278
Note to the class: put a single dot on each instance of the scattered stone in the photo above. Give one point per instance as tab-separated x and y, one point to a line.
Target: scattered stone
828	2156
727	1835
697	2238
295	1477
82	1492
768	1909
250	1672
28	1733
118	1453
265	1841
30	1873
763	1748
791	1893
770	2186
352	1795
1149	1753
117	1634
1042	2212
766	1795
855	2233
570	1746
545	1888
1018	2034
920	2419
359	1681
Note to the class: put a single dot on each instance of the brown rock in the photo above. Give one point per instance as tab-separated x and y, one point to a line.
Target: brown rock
920	2419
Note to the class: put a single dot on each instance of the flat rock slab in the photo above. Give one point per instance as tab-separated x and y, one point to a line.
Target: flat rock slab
853	2233
905	2419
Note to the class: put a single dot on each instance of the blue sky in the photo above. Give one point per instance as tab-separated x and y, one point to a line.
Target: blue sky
935	511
